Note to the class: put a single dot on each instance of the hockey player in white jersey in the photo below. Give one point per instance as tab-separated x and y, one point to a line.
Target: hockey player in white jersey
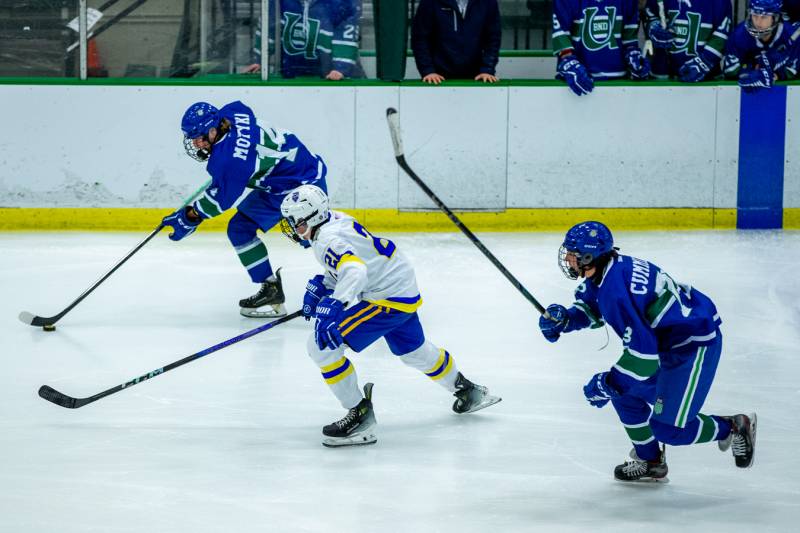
368	291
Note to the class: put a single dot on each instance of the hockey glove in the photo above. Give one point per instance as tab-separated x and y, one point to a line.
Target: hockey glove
326	329
694	70
661	37
575	74
182	226
598	392
638	65
315	291
754	79
553	327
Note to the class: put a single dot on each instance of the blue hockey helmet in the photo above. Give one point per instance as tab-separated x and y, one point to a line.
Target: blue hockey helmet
585	244
763	8
196	122
198	119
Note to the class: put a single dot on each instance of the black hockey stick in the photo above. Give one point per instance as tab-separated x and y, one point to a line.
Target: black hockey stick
59	398
394	128
42	321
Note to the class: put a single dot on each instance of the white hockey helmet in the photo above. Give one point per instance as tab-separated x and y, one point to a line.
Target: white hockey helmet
304	209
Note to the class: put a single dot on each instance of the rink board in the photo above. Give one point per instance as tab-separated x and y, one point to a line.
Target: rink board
494	149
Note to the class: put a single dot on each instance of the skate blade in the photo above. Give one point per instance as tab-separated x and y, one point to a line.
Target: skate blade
354	440
266	311
645	481
487	401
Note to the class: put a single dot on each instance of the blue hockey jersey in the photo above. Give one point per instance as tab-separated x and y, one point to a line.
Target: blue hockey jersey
599	32
317	36
700	28
743	50
649	311
255	157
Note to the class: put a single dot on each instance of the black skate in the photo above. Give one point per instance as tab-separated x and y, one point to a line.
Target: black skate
356	428
636	469
742	439
471	397
269	296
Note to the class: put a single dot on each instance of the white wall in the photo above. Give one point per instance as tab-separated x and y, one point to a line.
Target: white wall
481	147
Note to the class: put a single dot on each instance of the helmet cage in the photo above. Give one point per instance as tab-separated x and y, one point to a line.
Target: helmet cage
583	262
289	227
198	154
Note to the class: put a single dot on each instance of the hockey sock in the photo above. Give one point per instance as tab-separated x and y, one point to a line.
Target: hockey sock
338	372
643	441
702	428
436	363
253	256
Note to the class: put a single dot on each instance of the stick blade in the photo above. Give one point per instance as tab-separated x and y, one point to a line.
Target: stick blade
53	396
393	118
28	318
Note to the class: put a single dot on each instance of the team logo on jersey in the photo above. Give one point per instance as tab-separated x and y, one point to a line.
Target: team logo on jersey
686	31
658	408
598	30
298	38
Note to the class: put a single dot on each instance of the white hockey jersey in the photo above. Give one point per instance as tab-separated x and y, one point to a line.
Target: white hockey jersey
359	266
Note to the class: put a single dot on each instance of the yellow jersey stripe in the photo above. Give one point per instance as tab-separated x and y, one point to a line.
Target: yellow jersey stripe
348	258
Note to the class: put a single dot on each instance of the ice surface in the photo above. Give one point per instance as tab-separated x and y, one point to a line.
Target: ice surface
231	442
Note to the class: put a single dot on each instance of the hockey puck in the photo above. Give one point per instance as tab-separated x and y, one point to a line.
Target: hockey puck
49	327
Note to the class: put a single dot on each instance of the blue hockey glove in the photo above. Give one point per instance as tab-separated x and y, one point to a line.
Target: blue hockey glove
575	74
598	392
315	291
638	65
754	79
326	329
661	37
182	226
554	326
694	70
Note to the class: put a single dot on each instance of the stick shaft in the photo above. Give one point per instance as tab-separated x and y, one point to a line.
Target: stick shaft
52	395
394	129
40	321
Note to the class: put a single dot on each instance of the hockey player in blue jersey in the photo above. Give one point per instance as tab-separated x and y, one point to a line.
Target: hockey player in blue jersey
597	40
252	167
671	346
763	48
318	38
368	291
690	42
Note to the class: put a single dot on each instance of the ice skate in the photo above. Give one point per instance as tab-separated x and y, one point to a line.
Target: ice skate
742	439
471	397
356	428
639	470
267	302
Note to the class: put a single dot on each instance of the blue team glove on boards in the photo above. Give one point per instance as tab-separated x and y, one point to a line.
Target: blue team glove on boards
575	74
182	226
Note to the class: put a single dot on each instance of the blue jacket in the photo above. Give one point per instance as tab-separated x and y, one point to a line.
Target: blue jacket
446	43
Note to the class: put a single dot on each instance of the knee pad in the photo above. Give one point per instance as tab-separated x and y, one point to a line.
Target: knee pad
665	433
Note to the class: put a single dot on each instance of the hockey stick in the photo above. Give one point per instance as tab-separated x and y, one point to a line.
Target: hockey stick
59	398
40	321
394	128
